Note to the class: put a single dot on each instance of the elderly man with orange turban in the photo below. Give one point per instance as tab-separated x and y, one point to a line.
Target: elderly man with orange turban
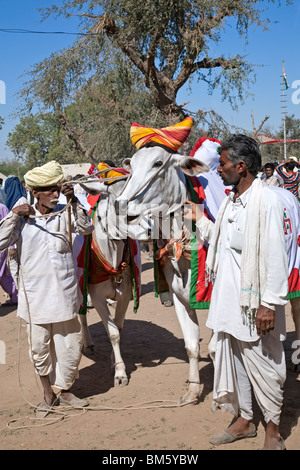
49	296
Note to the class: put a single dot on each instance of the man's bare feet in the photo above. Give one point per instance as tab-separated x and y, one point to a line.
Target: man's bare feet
240	426
273	439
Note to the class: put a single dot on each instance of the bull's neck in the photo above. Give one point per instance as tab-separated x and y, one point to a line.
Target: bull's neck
109	241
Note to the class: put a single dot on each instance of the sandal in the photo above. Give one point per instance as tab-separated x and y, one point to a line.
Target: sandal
43	409
225	437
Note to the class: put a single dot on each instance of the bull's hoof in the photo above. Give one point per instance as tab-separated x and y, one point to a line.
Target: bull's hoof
189	398
190	401
121	381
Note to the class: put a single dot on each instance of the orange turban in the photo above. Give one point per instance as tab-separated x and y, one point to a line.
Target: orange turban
112	172
172	137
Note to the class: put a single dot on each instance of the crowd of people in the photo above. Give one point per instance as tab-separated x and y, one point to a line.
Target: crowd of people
284	175
246	247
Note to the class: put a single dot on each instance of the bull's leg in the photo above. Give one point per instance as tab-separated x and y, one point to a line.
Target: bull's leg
113	332
190	329
88	345
120	370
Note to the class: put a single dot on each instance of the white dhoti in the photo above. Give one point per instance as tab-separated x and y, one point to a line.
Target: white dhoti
55	350
240	365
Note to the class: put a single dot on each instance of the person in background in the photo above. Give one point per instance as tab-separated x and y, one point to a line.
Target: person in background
268	177
289	172
16	195
2	192
6	280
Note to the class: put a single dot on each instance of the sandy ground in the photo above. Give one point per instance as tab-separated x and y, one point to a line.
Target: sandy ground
145	414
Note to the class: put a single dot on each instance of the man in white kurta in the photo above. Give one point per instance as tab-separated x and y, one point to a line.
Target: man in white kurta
249	351
49	295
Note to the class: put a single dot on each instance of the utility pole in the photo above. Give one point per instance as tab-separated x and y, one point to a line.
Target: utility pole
285	86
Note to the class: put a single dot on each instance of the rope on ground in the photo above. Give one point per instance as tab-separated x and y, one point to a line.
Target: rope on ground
62	414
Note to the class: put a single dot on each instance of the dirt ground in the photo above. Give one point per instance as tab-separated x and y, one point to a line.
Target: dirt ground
142	416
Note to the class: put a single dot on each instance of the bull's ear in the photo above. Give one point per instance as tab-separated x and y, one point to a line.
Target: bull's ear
190	165
127	164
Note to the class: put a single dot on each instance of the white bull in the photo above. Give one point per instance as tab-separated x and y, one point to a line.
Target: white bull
158	186
115	249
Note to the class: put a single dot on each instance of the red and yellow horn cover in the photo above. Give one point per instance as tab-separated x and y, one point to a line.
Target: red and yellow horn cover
172	137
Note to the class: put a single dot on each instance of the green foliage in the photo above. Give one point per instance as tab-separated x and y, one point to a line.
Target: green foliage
38	139
13	167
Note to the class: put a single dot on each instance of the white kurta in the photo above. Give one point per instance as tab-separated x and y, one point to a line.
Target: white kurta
225	311
48	286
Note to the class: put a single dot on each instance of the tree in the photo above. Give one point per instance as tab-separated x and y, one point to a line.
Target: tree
13	167
169	41
1	122
38	139
161	45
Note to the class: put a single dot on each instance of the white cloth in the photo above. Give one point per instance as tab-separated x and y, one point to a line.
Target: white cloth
2	195
214	192
225	310
47	271
253	269
13	263
211	181
55	350
238	365
291	232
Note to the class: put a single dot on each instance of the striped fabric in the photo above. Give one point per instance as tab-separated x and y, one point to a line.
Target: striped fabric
172	137
112	173
291	180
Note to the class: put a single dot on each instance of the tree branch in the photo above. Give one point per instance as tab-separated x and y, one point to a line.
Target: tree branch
75	136
256	131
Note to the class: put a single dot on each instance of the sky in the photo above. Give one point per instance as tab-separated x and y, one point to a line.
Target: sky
265	49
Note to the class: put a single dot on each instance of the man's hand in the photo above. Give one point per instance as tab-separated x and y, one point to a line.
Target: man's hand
12	253
265	320
192	211
23	210
68	191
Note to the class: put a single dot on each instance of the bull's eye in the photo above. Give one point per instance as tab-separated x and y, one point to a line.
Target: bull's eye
157	164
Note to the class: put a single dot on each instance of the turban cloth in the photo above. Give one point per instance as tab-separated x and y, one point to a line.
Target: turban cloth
14	191
171	137
206	150
44	176
111	173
